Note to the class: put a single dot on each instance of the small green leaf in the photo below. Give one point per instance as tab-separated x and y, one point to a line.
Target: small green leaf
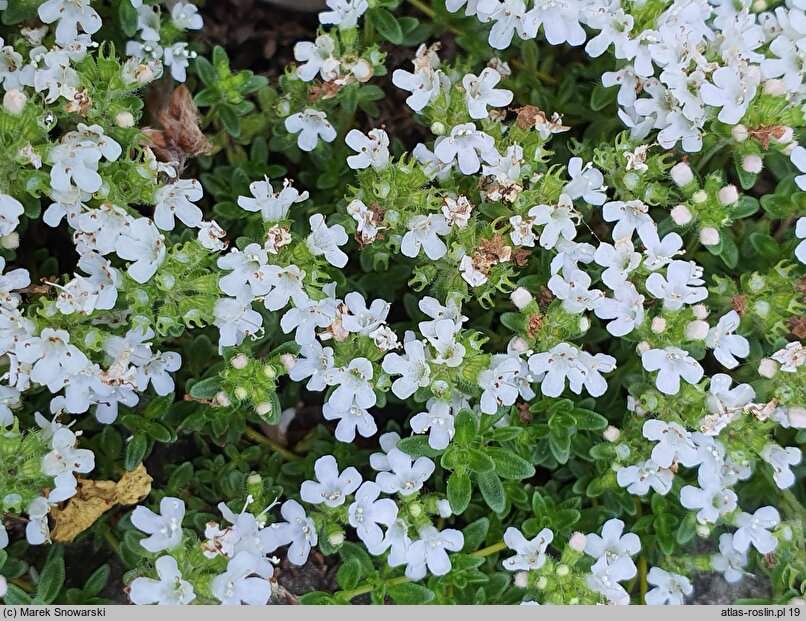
230	120
206	388
475	533
387	25
492	491
127	17
509	465
417	446
765	245
466	427
459	490
589	420
51	581
349	574
410	593
135	451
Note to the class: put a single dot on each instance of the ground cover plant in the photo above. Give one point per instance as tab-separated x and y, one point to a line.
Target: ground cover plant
476	302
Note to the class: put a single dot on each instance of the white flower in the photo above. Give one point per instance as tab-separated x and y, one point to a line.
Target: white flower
250	273
615	548
639	478
480	92
287	285
528	554
557	365
273	206
307	317
510	16
573	289
431	551
730	91
499	383
405	478
781	459
368	511
729	562
315	362
457	212
790	357
680	287
800	231
755	529
330	487
363	320
798	158
186	16
238	585
466	144
658	252
625	308
53	358
558	221
143	244
670	589
343	13
298	530
423	233
37	531
604	579
177	199
325	241
443	339
725	344
63	460
157	371
177	57
629	216
424	84
10	211
586	183
619	259
380	461
354	418
311	125
235	320
317	58
672	363
169	590
713	501
438	420
353	383
674	444
211	236
164	527
413	369
70	14
373	149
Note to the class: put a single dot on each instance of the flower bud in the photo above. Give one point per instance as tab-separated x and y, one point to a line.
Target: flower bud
584	323
700	311
782	135
521	298
703	530
362	70
336	538
288	361
709	236
767	368
10	241
437	128
728	195
124	119
739	133
622	452
562	570
519	345
221	399
263	409
521	579
239	362
270	372
787	150
642	347
14	101
697	330
699	197
444	508
681	215
611	434
681	174
577	541
752	164
241	393
541	583
797	417
775	87
658	325
415	509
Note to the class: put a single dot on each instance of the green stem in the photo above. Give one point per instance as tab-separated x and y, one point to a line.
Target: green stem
258	437
429	12
371	586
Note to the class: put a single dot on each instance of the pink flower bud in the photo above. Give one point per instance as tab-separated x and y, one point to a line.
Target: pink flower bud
681	215
521	298
767	368
752	164
728	195
681	174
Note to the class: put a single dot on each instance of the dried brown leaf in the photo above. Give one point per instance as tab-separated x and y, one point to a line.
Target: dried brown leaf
180	138
93	499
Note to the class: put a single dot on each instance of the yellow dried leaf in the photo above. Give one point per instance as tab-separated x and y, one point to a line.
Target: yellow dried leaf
93	499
